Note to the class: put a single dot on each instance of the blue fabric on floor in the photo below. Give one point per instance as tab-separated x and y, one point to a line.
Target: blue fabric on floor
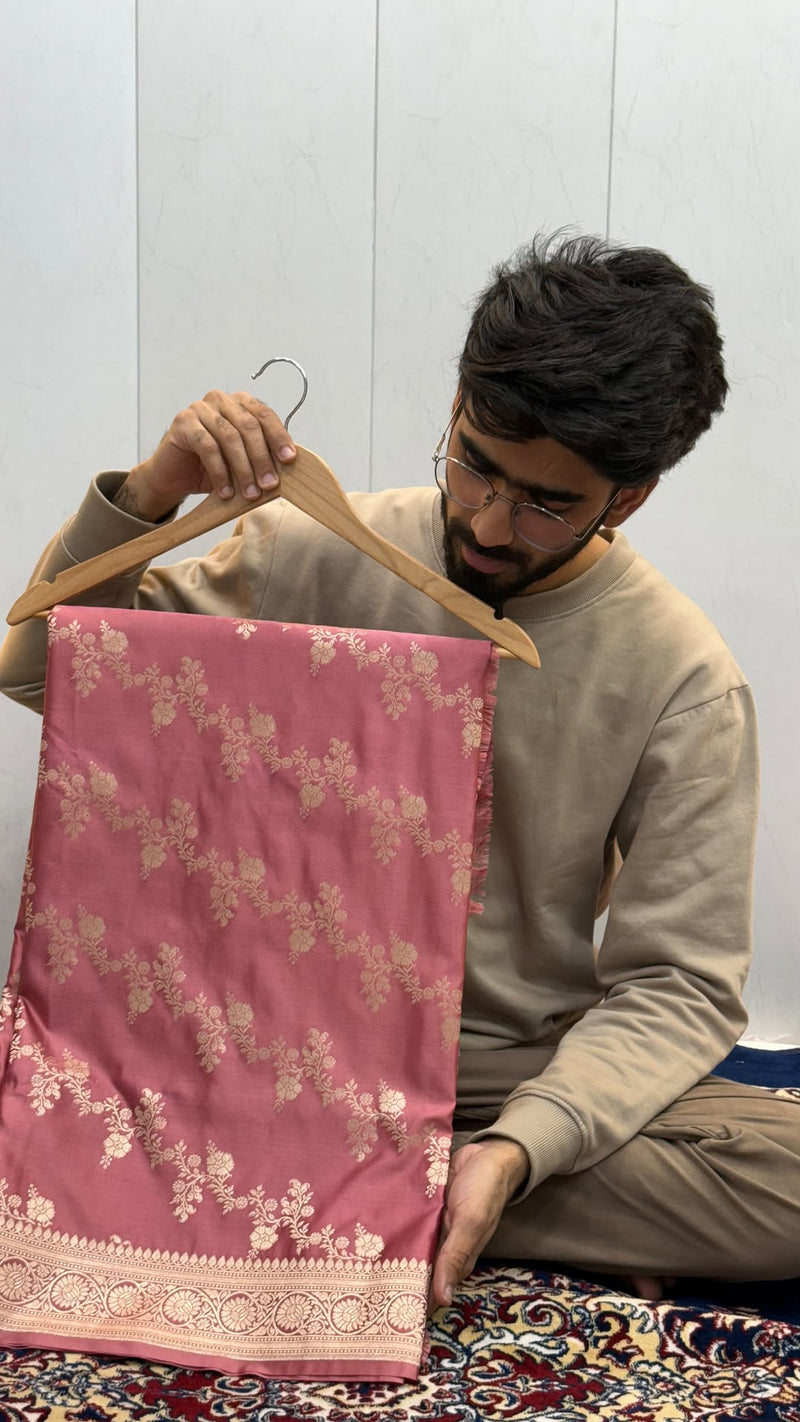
778	1298
760	1068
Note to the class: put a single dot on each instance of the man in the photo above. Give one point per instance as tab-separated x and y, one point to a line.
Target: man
587	1129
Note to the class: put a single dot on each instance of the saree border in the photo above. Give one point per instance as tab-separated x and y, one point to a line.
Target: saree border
257	1310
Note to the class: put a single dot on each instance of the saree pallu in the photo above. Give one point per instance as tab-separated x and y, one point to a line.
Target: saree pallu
230	1029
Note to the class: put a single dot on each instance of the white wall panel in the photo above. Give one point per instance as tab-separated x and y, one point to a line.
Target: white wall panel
704	165
68	295
493	123
256	168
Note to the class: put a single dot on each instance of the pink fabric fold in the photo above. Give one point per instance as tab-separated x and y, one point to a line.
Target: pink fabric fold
230	1030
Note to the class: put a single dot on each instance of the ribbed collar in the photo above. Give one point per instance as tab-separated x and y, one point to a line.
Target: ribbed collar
543	606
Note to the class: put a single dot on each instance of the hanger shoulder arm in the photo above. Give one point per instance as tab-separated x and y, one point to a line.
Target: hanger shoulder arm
71	582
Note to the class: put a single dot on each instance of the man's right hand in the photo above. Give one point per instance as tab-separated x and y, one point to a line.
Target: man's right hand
226	443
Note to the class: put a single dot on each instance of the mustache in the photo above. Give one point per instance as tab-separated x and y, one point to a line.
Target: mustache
502	553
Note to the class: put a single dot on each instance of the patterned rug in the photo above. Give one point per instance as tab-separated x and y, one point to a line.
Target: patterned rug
517	1344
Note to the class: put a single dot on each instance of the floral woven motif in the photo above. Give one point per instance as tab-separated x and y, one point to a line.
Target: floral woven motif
228	1038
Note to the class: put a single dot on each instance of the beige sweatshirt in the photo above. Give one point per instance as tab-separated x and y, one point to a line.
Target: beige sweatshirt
639	726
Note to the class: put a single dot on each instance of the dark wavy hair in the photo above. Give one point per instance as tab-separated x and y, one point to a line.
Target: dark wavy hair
613	351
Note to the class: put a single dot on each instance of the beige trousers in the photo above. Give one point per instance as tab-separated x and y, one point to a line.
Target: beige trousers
709	1188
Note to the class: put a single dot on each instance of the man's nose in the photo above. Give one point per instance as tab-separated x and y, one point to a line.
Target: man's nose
493	524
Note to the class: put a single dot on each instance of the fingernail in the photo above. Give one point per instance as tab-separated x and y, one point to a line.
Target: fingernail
225	492
287	452
267	481
448	1293
251	492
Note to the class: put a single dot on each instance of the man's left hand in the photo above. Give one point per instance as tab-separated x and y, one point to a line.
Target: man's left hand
483	1177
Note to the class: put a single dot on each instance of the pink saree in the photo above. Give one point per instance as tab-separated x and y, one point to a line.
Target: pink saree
229	1036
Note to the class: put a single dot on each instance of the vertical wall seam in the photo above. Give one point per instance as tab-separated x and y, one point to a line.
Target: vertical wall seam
138	277
373	290
609	177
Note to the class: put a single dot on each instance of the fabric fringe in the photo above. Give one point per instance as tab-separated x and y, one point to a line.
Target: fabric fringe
483	800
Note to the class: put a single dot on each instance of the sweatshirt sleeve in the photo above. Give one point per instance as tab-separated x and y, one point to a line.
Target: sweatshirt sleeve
226	581
675	952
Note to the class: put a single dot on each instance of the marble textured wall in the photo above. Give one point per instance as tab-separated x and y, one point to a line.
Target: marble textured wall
197	189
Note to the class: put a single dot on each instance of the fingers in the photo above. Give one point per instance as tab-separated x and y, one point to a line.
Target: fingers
434	1301
240	443
266	439
456	1259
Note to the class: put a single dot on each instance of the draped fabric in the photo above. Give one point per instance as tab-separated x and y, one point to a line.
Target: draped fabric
230	1030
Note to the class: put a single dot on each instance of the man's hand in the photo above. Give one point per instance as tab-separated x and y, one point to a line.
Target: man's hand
483	1177
223	442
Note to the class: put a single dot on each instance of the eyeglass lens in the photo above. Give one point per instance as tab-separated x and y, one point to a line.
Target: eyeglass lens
468	488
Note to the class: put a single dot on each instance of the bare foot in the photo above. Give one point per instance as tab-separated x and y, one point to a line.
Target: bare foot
649	1286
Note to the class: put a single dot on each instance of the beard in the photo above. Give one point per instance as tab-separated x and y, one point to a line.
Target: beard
496	588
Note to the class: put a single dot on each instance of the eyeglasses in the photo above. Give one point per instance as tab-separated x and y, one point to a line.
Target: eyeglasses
547	531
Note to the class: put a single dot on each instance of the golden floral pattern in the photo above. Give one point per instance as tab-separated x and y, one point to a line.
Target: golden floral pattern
91	653
164	975
367	1116
230	885
245	629
12	1010
36	1209
8	1001
80	795
437	1150
402	677
53	1081
335	769
196	1177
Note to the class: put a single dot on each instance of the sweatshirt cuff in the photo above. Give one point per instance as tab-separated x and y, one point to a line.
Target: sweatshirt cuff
98	524
550	1136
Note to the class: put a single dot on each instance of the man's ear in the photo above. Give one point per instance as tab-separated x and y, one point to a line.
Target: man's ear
627	502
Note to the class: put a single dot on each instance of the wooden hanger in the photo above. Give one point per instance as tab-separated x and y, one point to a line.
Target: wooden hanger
311	486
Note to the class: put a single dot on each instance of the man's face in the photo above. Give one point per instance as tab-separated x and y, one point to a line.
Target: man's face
483	554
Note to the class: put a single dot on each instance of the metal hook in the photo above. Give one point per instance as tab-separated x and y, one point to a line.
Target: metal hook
289	361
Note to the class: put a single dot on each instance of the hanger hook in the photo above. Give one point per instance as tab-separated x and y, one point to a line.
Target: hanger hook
289	361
